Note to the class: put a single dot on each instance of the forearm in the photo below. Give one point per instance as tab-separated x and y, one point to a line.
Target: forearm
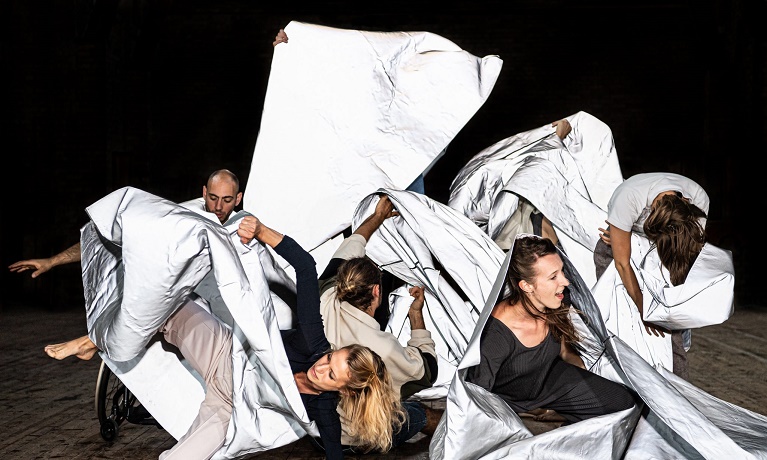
67	256
269	236
307	292
630	283
370	225
416	319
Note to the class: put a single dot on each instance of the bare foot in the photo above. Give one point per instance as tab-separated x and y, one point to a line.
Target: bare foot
82	347
433	416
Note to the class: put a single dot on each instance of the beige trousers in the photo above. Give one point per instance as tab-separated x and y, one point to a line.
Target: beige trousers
207	345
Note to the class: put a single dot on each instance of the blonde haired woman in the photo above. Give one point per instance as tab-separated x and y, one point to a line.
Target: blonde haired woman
353	297
352	378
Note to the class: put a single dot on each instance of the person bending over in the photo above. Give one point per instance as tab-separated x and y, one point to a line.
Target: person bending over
670	210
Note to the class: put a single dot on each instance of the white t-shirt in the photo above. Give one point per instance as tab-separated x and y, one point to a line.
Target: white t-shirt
631	202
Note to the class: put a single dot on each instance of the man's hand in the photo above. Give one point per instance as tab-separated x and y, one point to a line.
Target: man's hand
385	208
415	314
604	234
39	266
281	37
563	128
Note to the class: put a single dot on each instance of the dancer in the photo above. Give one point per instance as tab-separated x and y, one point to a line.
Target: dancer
352	378
352	295
670	210
526	347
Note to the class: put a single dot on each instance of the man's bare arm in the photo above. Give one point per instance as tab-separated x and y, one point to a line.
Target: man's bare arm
40	266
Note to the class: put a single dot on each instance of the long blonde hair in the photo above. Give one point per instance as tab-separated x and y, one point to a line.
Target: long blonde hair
372	408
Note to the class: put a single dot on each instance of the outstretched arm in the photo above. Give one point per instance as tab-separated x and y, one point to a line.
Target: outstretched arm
67	256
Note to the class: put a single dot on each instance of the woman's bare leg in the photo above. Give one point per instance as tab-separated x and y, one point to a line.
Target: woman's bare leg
82	347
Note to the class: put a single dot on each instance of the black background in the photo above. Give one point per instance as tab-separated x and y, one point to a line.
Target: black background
101	94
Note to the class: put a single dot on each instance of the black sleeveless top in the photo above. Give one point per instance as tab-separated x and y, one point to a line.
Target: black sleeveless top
509	368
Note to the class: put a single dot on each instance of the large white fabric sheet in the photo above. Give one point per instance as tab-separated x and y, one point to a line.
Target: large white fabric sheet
347	112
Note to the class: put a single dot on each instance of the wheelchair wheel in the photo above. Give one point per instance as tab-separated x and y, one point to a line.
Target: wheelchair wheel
113	402
109	430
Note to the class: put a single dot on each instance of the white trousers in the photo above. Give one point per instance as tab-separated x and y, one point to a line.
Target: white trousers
207	345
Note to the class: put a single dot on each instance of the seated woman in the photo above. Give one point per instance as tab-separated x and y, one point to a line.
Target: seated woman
352	378
352	295
526	347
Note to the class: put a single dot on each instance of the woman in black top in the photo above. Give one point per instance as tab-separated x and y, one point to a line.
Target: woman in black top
527	357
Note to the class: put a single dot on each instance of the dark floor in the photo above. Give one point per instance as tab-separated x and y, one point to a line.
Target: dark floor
48	406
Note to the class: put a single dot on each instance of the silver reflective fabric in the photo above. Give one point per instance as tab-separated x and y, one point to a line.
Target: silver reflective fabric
570	181
143	256
432	245
682	422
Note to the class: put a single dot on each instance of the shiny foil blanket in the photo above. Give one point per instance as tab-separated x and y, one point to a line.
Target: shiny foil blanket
431	244
570	181
682	422
144	256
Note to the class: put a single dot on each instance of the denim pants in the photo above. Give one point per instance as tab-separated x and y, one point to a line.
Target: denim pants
416	420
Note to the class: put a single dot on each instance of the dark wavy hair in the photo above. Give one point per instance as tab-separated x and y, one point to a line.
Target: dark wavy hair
525	253
675	229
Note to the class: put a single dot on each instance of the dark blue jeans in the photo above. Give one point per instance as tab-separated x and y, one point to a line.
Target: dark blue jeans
416	420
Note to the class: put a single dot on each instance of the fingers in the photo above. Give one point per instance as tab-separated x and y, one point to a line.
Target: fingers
418	299
563	128
21	266
416	291
657	331
248	229
385	206
281	37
